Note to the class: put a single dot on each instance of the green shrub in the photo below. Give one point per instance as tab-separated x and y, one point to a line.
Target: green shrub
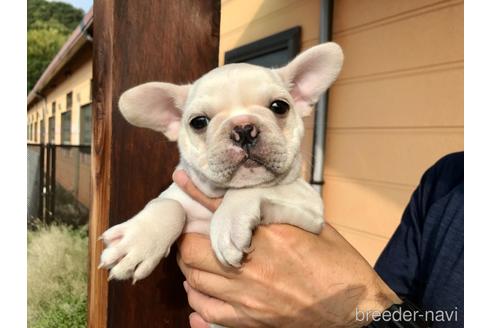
57	277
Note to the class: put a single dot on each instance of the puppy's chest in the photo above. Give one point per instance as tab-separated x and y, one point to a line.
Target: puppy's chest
197	217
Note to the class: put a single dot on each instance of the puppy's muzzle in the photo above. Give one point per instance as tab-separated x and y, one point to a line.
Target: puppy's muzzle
245	135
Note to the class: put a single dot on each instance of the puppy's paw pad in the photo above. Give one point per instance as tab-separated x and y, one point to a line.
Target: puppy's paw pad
241	238
125	268
232	256
144	269
319	223
225	251
110	256
114	234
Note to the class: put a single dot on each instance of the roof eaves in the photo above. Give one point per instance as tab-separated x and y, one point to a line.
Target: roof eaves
67	51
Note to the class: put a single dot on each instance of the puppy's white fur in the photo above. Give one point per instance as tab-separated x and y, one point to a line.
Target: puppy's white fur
264	189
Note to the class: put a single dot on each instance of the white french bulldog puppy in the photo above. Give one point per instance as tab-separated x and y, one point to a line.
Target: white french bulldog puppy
239	130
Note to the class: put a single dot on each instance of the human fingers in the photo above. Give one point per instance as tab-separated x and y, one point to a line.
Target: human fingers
211	310
196	321
211	283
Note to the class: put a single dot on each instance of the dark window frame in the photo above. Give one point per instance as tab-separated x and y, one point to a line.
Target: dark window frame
51	129
289	39
42	131
35	133
69	100
87	108
66	137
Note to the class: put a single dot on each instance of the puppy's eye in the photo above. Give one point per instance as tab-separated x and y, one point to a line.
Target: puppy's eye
199	122
279	107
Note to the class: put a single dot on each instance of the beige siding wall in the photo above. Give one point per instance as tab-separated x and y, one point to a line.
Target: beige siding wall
77	82
245	21
396	108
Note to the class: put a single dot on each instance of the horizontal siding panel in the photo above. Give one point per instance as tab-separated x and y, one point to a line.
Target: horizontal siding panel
303	13
369	246
360	205
353	14
388	155
433	38
430	98
238	13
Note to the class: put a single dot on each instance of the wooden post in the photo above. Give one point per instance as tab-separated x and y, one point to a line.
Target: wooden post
136	42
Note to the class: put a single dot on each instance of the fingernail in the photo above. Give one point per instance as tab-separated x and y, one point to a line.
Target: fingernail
100	265
186	286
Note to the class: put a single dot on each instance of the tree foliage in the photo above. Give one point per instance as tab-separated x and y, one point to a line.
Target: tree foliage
48	26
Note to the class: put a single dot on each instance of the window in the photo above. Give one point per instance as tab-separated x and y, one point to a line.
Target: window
86	124
69	100
41	128
273	51
66	122
35	138
53	108
51	123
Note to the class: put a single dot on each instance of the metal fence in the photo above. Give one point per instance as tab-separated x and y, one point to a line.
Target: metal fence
58	183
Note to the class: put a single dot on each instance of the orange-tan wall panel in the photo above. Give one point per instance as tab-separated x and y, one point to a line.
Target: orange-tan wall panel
365	14
369	246
245	21
367	206
388	155
417	99
396	109
433	37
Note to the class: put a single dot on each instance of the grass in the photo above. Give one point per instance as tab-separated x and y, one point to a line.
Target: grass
57	276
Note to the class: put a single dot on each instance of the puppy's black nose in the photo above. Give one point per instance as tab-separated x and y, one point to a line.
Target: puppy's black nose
245	135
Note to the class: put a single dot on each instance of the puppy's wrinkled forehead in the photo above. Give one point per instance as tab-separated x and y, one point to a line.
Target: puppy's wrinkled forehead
235	85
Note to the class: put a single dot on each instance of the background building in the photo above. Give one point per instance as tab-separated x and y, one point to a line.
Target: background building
59	112
59	106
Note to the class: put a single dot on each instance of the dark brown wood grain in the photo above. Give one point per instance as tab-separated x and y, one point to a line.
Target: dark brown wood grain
136	42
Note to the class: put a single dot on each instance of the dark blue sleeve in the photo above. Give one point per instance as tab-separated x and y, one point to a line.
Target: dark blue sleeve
423	260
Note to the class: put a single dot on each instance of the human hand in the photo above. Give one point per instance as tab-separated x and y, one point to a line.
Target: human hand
292	279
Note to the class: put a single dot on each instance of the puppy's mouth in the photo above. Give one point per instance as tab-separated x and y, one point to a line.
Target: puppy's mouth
243	165
250	162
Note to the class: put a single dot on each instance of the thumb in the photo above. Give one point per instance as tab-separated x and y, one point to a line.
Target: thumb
196	321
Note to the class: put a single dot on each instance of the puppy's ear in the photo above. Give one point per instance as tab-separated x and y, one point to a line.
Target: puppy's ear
155	105
311	73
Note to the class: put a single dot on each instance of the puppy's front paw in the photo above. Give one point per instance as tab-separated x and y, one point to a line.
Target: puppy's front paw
231	238
133	249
